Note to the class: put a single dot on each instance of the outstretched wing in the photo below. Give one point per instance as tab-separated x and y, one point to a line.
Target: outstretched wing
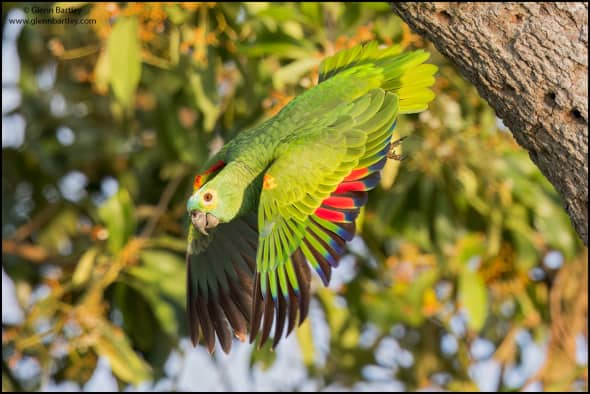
311	196
220	270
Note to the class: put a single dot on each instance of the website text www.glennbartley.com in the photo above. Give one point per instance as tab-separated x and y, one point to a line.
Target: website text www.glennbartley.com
51	15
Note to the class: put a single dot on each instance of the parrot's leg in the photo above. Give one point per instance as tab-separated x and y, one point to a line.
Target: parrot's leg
391	154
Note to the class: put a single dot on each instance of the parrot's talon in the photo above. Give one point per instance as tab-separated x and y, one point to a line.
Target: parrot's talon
398	141
395	156
391	154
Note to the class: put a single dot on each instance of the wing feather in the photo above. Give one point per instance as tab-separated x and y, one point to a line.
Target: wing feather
220	272
307	172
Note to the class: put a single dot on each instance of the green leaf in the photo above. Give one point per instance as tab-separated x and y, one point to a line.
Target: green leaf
102	72
167	242
278	48
124	52
473	245
162	309
312	12
495	227
60	229
164	271
139	321
522	236
468	180
555	227
292	73
337	318
293	29
113	344
256	7
376	6
527	254
418	232
174	47
305	338
281	15
83	271
118	214
473	297
334	11
203	82
444	227
264	356
177	14
412	302
157	279
205	100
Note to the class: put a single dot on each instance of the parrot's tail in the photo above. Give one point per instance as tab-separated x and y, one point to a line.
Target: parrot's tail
405	74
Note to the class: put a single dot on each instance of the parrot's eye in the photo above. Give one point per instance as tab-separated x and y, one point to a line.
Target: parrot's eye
207	197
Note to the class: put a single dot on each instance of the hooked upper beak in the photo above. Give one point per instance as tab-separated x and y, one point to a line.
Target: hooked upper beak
203	221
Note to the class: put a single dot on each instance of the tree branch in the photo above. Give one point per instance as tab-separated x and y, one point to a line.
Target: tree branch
529	61
167	195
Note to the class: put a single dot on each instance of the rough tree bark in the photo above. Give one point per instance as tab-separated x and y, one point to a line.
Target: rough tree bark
530	62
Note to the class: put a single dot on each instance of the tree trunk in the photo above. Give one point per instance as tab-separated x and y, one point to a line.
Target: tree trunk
530	62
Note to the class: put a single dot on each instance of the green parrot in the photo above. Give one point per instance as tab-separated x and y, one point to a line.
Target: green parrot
281	198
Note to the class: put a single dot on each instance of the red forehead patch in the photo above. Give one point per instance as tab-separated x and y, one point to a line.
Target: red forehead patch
198	182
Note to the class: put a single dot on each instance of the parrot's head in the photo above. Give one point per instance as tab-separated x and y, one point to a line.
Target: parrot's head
204	208
217	201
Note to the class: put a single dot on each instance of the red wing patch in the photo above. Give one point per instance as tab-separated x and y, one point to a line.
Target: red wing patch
344	204
356	174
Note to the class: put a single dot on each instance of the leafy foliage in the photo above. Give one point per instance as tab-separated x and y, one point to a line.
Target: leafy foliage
465	240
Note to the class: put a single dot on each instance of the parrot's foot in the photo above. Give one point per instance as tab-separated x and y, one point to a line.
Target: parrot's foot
391	154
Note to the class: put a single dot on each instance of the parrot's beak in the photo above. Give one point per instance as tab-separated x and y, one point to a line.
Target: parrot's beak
203	221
